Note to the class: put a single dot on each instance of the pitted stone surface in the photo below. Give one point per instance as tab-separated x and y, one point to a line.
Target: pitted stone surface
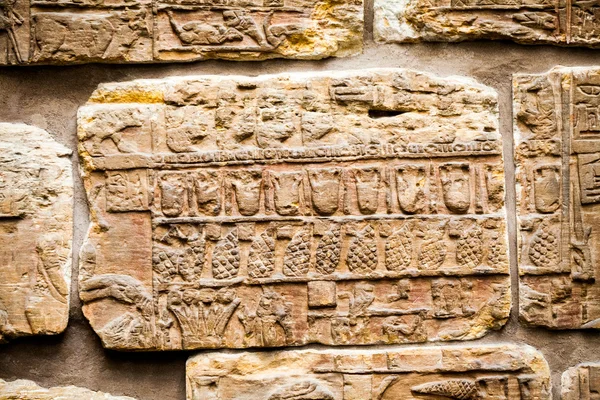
571	23
462	373
581	382
27	390
143	31
36	224
557	153
339	208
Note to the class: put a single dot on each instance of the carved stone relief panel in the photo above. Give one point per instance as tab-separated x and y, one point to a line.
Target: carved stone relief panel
581	382
28	390
137	31
565	23
557	152
338	208
36	218
462	373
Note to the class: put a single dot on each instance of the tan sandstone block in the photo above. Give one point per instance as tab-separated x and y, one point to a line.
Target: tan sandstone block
376	196
581	382
534	22
28	390
507	372
36	226
557	153
145	31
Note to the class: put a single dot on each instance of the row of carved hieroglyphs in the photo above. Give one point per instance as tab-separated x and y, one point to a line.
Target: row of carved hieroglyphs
79	31
434	188
557	157
574	23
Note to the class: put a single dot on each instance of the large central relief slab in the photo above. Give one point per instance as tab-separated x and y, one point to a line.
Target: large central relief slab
338	208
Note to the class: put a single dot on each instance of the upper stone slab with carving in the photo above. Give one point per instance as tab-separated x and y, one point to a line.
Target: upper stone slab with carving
28	390
340	208
143	31
450	372
570	23
557	152
36	218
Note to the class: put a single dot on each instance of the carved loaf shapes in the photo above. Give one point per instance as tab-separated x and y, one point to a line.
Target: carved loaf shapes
556	127
506	372
338	208
571	23
36	225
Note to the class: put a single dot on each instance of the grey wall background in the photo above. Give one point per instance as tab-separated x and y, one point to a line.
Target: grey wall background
48	97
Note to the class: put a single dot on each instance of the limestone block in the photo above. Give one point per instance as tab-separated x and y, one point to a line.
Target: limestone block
506	372
28	390
581	382
557	152
575	23
339	208
36	225
143	31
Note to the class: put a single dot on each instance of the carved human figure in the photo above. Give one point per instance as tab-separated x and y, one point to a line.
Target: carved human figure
9	20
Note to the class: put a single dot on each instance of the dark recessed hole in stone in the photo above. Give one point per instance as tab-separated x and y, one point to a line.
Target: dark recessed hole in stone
384	113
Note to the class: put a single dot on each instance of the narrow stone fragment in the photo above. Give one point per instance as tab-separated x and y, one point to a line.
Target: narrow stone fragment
461	373
36	225
338	208
28	390
143	31
573	23
581	382
557	154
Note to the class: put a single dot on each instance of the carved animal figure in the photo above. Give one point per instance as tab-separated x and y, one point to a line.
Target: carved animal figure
201	33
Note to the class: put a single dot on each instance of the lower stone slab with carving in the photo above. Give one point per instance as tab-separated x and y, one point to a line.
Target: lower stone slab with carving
581	382
36	218
354	207
28	390
498	372
557	154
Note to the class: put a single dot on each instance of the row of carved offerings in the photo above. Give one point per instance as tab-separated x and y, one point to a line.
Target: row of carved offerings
557	126
339	208
558	22
137	31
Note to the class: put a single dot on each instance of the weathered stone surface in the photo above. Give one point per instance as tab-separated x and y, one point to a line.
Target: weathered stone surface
339	208
581	382
571	23
138	31
506	372
557	152
36	218
27	390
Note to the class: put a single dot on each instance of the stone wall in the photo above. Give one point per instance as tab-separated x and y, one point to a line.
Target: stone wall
49	97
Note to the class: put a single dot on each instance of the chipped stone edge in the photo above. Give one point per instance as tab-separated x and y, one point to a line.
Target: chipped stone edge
23	387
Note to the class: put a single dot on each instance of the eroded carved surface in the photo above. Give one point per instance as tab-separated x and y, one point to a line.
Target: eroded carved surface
557	152
36	218
581	382
28	390
459	373
347	208
565	23
136	31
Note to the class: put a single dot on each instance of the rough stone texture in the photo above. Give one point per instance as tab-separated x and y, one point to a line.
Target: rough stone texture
142	31
506	372
570	23
581	382
36	226
556	127
349	208
28	390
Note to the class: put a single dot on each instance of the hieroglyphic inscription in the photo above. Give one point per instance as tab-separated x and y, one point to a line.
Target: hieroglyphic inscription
425	373
557	151
581	382
346	208
136	31
36	217
27	390
565	23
